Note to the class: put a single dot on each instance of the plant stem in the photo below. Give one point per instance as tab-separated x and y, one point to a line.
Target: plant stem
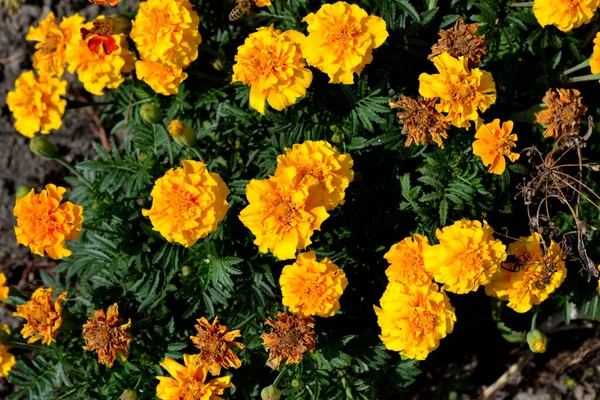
524	4
197	153
584	78
170	149
534	318
78	174
93	228
276	382
578	67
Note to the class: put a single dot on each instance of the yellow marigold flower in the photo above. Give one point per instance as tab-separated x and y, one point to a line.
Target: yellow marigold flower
271	63
528	276
161	78
7	360
311	287
466	257
188	203
595	59
341	39
44	224
36	103
103	335
166	31
413	318
214	343
324	162
406	261
3	289
290	337
564	14
42	315
493	143
284	212
563	113
96	69
49	57
188	382
461	91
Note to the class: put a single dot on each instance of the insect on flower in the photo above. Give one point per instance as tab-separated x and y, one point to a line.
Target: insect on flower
241	8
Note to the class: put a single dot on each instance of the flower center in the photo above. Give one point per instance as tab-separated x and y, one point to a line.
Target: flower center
43	223
182	203
51	43
342	33
283	208
463	92
289	339
265	63
38	316
503	146
471	261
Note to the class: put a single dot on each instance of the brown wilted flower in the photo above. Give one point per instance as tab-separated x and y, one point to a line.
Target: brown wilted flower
422	122
461	41
290	337
563	114
214	343
43	316
102	334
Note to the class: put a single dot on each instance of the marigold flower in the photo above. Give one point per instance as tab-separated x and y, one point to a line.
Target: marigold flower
422	122
49	57
413	318
188	382
166	31
461	41
102	2
103	335
214	343
7	360
461	91
262	3
341	39
100	35
595	59
283	212
311	287
466	257
36	103
406	261
3	289
528	276
188	203
563	114
42	315
493	143
44	224
161	78
290	337
325	163
564	14
271	63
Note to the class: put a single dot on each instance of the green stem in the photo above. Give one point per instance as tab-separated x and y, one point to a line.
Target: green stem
170	149
78	174
578	67
584	78
525	4
278	379
93	228
197	153
26	346
534	318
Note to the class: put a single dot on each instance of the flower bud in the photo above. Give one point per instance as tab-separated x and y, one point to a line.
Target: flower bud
537	341
151	113
42	147
128	394
336	138
217	64
270	393
295	383
182	133
185	271
122	24
23	191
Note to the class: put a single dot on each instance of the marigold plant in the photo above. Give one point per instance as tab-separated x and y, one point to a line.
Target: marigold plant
494	142
564	14
103	334
43	316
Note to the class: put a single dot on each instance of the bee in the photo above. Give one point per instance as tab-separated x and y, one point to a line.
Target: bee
241	8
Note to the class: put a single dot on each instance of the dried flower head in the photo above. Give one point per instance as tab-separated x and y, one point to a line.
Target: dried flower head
43	316
291	336
461	41
422	122
563	114
102	334
214	343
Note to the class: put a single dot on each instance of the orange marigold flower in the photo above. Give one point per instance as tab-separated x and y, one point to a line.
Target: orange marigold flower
406	261
7	360
529	275
271	63
49	57
102	2
103	335
3	289
214	343
284	212
595	59
42	315
44	224
461	41
413	318
290	337
564	14
563	114
421	121
341	39
493	143
325	163
188	382
311	287
188	203
36	103
466	257
166	31
462	92
100	35
161	78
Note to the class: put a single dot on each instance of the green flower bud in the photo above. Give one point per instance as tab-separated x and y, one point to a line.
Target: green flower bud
182	133
128	394
151	113
336	138
537	341
185	271
23	191
42	147
122	24
270	393
295	383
